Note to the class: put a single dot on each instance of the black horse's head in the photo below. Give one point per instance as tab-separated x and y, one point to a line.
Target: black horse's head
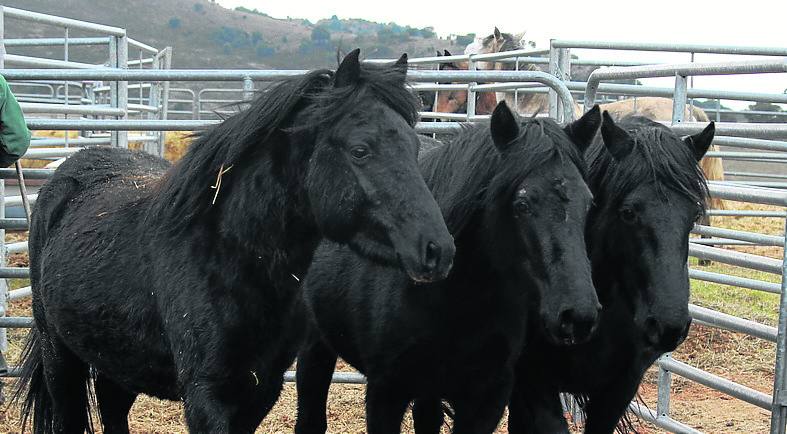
537	228
331	154
649	191
363	181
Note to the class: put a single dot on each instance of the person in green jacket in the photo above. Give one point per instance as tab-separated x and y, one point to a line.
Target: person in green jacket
14	135
14	141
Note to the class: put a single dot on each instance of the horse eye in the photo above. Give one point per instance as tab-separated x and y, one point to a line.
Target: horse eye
627	215
522	206
360	152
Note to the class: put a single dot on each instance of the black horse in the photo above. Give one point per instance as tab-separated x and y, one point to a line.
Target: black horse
648	191
184	286
514	197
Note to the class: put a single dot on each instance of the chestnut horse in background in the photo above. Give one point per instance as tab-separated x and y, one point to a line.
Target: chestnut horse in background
455	101
654	108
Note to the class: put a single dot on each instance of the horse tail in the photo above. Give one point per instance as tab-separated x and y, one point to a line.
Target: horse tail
32	387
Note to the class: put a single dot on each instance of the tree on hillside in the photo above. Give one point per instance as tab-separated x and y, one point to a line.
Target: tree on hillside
427	32
320	35
174	23
765	107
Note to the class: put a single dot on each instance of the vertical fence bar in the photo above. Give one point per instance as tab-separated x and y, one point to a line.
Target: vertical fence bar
471	65
248	89
65	90
664	384
2	38
114	101
164	111
679	99
564	67
3	282
779	408
554	67
122	53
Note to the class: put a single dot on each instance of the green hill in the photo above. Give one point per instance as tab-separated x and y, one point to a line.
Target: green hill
206	35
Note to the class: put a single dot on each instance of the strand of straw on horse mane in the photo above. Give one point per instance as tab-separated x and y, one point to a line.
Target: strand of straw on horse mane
217	185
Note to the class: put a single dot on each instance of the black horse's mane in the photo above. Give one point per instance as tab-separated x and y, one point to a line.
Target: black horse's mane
184	193
661	157
469	173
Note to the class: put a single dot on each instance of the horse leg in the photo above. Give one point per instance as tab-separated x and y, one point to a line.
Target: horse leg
427	416
385	407
316	363
606	407
533	410
66	380
114	403
479	410
210	406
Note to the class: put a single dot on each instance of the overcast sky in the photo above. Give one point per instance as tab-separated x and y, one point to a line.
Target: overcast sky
752	22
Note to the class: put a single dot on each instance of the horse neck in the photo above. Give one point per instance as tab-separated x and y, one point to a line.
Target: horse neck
262	213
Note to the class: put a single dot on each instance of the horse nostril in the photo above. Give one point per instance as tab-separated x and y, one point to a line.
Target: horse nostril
431	256
566	321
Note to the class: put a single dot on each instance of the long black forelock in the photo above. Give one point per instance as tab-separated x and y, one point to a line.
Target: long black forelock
658	156
383	83
312	97
469	174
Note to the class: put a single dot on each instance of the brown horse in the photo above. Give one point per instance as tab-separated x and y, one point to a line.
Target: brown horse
455	101
655	108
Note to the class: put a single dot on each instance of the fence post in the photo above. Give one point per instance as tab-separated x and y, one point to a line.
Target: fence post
123	88
554	68
165	99
779	408
664	383
2	38
564	66
471	93
118	58
679	99
248	89
3	282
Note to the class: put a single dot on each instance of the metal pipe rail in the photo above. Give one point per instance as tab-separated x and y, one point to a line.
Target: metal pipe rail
678	48
660	420
53	20
751	237
724	321
90	110
683	70
766	196
40	62
743	282
754	262
715	382
50	42
747	213
742	142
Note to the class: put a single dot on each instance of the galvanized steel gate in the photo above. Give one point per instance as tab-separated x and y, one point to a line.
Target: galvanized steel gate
107	108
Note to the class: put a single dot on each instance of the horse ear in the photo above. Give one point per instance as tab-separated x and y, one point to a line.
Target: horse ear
504	127
350	69
497	34
618	142
700	142
446	53
583	130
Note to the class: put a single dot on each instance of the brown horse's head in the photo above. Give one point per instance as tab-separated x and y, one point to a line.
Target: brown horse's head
455	101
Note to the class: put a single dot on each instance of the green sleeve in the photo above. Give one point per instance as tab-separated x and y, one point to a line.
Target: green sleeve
14	135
